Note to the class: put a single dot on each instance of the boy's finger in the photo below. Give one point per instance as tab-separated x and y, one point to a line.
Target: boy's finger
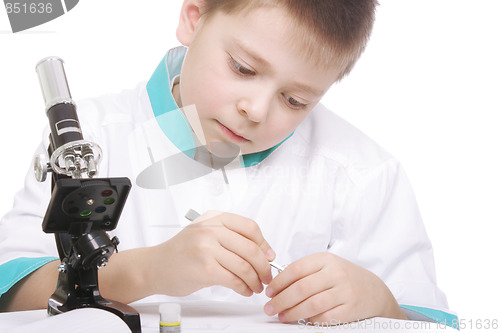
292	273
298	293
229	280
312	307
240	268
251	257
248	229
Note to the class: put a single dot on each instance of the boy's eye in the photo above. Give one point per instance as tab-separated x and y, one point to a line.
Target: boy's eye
292	102
240	69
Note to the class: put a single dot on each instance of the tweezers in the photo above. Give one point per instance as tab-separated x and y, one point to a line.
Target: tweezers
279	268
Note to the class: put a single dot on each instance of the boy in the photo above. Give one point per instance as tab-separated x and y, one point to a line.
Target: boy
305	187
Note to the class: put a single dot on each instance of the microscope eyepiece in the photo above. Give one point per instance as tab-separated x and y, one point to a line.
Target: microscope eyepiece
71	154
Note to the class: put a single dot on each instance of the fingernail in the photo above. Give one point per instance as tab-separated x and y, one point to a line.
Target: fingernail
268	309
269	292
260	289
271	254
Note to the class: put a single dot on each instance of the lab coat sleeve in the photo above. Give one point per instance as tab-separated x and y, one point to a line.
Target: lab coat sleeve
24	247
385	234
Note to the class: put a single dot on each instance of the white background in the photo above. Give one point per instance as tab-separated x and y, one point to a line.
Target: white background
427	89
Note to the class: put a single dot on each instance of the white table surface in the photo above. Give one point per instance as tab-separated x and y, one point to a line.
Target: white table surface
197	316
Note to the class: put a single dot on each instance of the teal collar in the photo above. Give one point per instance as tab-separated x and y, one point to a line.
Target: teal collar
171	120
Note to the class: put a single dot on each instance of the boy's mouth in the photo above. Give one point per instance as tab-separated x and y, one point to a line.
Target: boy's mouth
231	135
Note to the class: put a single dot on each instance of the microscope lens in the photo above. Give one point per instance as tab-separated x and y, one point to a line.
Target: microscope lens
109	201
100	209
106	193
85	213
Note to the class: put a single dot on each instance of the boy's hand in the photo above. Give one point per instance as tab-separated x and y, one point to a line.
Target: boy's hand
216	249
326	288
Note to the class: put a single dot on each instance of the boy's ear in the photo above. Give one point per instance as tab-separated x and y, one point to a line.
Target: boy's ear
188	20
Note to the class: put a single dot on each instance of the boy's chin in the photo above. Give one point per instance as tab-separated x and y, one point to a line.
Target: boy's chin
224	149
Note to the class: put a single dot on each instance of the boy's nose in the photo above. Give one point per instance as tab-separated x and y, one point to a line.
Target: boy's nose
256	108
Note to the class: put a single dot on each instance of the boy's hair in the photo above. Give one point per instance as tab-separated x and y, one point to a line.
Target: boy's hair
337	31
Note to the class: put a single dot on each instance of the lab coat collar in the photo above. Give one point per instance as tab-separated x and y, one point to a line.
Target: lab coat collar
175	126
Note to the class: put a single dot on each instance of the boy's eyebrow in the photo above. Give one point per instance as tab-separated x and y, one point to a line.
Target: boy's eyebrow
263	62
251	53
309	89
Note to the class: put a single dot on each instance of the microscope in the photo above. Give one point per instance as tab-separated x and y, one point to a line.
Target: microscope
82	208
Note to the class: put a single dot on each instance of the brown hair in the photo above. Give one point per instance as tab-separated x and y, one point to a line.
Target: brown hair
337	31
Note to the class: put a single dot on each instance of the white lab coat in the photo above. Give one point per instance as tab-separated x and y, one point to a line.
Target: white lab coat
327	188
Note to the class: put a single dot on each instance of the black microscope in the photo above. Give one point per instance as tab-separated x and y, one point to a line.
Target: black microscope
82	208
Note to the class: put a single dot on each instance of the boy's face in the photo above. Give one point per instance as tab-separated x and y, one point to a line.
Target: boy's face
248	79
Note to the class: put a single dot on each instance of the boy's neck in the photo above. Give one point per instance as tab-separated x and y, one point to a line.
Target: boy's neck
176	93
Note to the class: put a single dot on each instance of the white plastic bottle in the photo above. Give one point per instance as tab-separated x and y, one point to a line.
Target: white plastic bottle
170	318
